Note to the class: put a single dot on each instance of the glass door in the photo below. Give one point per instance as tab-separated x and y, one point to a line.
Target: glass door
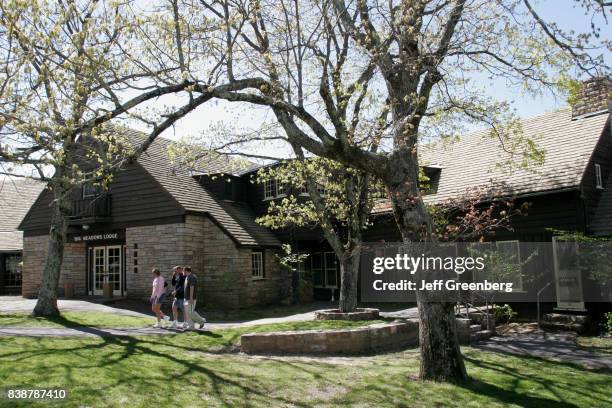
107	267
113	267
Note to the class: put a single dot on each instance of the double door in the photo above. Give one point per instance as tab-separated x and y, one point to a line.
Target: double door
107	267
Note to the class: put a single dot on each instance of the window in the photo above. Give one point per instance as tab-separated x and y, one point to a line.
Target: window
598	177
12	264
324	269
269	189
510	267
280	189
321	189
257	266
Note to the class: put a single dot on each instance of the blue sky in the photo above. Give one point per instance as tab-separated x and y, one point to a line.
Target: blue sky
566	13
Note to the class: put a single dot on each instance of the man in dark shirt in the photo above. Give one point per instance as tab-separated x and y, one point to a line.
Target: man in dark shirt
191	292
178	282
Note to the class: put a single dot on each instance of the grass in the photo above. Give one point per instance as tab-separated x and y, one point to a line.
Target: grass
186	370
596	344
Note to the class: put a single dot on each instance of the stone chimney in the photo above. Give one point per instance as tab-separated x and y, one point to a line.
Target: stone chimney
594	98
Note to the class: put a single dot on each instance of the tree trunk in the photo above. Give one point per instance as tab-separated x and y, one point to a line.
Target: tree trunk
46	304
349	272
441	358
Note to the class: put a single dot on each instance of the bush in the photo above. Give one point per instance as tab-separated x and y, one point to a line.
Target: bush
608	322
503	313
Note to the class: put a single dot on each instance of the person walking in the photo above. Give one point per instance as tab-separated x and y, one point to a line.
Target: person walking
178	282
191	292
158	294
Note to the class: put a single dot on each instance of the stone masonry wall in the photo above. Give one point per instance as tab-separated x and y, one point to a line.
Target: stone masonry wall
162	247
223	269
73	269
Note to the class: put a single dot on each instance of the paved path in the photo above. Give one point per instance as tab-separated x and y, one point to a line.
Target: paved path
553	346
17	304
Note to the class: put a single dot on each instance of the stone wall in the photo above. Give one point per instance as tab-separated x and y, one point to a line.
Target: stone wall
227	274
162	247
223	269
373	338
73	269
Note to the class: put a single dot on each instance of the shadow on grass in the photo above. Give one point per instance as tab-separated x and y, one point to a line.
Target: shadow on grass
541	378
511	397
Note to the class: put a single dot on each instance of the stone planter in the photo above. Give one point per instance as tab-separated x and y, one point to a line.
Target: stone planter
358	314
107	290
69	290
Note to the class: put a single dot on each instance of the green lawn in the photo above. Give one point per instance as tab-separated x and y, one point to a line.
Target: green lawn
596	344
187	370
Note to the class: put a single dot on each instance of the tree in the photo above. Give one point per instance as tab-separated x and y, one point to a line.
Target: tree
340	201
68	72
416	59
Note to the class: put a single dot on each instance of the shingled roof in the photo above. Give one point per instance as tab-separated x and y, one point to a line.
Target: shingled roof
178	182
478	160
16	198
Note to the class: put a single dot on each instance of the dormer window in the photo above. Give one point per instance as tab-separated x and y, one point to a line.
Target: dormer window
598	177
269	189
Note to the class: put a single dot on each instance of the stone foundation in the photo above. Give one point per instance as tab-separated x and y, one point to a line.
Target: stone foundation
369	339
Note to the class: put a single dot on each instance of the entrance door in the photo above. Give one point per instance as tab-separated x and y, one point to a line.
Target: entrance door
568	277
107	267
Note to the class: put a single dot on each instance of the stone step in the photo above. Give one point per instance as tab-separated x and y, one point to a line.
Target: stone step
566	318
565	322
475	327
481	334
575	327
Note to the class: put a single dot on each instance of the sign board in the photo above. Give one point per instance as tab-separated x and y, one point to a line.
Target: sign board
98	236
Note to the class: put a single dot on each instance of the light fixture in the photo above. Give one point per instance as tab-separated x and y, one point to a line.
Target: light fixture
85	227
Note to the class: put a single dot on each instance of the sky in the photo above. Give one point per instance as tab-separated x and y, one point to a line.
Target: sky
566	13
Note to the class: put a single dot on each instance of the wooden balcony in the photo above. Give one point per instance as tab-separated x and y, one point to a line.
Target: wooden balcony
90	210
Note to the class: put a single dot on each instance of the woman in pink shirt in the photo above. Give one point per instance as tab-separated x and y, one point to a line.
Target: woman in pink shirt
158	294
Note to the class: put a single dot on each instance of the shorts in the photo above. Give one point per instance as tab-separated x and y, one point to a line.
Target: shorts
178	303
158	300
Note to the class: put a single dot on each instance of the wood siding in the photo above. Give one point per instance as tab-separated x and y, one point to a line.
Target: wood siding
592	195
135	198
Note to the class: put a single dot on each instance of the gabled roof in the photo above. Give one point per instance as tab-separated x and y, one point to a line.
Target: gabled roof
479	160
16	198
193	197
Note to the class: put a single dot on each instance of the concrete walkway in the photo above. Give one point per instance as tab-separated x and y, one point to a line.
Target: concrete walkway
560	346
17	304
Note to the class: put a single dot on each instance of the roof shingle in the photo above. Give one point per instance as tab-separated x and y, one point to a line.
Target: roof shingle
16	198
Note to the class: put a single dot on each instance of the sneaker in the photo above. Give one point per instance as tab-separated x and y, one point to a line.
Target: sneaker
167	318
173	325
184	325
157	325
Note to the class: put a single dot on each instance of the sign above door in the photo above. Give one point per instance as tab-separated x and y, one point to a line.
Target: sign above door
98	236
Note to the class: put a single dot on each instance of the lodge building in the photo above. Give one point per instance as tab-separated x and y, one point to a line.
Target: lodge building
158	214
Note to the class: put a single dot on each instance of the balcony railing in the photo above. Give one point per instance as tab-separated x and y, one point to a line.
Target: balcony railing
91	209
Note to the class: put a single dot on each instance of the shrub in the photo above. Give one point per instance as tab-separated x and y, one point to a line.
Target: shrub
504	313
608	322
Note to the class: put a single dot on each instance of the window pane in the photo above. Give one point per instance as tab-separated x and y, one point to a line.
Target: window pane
257	264
330	269
12	265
